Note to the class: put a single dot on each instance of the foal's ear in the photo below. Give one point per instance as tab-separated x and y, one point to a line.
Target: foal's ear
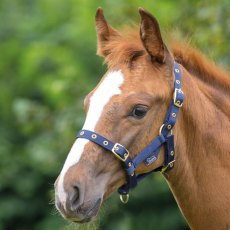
104	32
151	36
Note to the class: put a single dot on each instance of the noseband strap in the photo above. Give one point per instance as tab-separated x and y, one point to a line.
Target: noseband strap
150	153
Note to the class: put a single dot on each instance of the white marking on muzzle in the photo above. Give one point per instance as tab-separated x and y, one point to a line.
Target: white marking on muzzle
109	87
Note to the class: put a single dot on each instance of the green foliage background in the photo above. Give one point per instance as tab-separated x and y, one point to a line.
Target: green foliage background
47	65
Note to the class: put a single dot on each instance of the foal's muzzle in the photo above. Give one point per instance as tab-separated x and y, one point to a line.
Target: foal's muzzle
73	208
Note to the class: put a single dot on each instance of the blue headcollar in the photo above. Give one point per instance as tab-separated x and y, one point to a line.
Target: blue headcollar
150	153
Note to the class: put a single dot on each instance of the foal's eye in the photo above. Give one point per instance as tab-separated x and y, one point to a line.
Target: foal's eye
139	111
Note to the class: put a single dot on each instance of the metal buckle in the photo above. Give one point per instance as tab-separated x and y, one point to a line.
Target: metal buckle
170	164
175	101
116	147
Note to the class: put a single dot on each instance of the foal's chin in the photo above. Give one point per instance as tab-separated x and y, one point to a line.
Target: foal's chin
84	213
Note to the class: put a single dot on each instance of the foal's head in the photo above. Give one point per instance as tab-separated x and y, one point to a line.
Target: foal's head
128	106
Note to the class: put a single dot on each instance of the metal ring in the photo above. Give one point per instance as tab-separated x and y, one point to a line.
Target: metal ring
124	198
177	70
161	128
105	142
94	136
178	102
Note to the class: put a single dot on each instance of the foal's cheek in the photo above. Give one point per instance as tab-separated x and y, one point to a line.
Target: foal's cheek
112	189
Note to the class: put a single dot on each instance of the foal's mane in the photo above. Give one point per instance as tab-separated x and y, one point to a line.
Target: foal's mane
128	47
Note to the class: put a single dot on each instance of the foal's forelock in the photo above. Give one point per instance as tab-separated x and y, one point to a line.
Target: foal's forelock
109	87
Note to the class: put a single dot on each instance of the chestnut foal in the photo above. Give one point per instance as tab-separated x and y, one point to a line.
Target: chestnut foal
141	91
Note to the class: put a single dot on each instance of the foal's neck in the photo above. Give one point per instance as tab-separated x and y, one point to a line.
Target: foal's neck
200	180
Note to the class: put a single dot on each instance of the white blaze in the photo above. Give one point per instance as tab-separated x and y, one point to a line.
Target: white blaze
109	87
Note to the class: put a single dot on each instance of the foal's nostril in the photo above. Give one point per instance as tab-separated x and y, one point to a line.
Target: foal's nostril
73	197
